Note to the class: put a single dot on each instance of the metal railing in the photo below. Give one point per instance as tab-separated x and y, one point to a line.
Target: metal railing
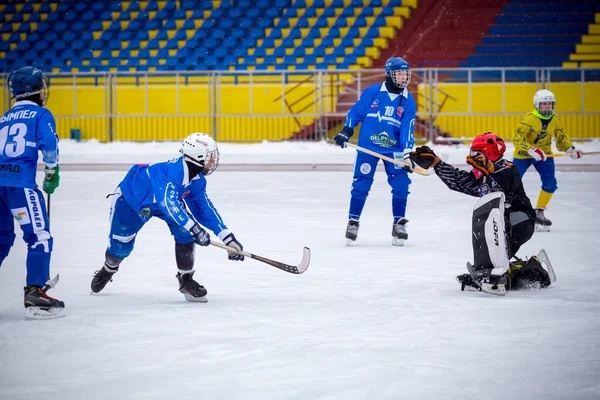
240	106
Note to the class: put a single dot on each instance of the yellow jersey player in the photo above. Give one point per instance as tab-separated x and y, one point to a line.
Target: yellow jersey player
533	141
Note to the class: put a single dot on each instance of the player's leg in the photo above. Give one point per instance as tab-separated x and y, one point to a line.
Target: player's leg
7	227
364	170
489	244
547	173
399	182
521	229
184	256
29	208
125	223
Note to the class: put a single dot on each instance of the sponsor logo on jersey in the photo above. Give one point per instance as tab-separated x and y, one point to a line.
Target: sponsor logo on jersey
21	215
539	136
383	139
145	213
375	103
365	168
390	120
185	194
400	111
14	168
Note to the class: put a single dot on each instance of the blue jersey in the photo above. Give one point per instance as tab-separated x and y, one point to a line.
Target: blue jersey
388	119
25	129
165	188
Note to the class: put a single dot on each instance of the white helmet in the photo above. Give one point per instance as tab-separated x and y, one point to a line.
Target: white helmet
201	149
543	96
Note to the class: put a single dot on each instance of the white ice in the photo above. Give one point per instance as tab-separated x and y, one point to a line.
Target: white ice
369	321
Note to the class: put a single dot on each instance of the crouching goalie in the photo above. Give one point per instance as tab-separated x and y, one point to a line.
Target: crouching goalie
503	218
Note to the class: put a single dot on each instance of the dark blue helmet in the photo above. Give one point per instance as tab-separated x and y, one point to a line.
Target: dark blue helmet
398	64
25	82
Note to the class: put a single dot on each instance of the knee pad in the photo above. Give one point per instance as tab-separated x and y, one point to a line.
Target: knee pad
549	184
361	187
399	183
184	255
121	246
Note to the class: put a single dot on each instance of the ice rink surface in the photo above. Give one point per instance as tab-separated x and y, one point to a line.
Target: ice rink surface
369	321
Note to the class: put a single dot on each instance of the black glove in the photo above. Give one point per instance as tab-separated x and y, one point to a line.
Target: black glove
480	163
232	242
201	237
424	157
343	137
411	164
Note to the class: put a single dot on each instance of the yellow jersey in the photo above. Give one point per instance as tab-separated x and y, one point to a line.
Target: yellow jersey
533	131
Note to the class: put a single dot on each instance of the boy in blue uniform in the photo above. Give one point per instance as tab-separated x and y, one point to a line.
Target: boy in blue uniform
25	129
174	191
387	112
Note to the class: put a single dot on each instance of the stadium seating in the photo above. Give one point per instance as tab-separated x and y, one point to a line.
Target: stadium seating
164	35
542	33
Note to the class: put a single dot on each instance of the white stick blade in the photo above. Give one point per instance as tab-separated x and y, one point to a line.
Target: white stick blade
303	266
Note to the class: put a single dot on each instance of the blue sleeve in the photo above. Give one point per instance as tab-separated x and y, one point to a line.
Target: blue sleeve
47	139
168	198
205	212
407	126
359	110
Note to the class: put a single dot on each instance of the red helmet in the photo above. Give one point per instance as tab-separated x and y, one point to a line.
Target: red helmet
489	144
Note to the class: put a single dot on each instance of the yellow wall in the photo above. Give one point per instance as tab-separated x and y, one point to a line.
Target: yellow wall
83	104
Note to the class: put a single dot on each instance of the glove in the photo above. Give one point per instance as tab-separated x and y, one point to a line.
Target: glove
481	164
201	237
574	153
411	164
51	180
537	154
424	157
232	242
343	137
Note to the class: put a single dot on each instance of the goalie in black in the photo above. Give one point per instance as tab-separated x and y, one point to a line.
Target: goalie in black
503	218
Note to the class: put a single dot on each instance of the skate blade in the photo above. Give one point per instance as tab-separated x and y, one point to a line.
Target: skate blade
193	299
398	241
542	228
36	313
497	289
349	242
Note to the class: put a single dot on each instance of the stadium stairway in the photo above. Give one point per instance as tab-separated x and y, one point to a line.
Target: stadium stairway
164	35
443	33
541	33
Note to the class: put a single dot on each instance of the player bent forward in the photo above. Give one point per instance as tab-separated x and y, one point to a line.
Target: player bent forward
503	218
174	191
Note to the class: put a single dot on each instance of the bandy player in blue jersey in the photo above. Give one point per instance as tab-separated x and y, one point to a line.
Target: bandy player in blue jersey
174	191
387	112
25	129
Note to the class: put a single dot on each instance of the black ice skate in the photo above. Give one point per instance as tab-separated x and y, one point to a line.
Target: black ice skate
192	290
542	224
467	283
399	234
102	277
351	231
39	305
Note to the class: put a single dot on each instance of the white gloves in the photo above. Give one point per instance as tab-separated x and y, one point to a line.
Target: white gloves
537	154
574	153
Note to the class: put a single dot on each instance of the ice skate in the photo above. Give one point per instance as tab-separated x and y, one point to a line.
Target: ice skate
487	281
192	290
351	231
102	277
399	234
38	305
466	283
542	224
